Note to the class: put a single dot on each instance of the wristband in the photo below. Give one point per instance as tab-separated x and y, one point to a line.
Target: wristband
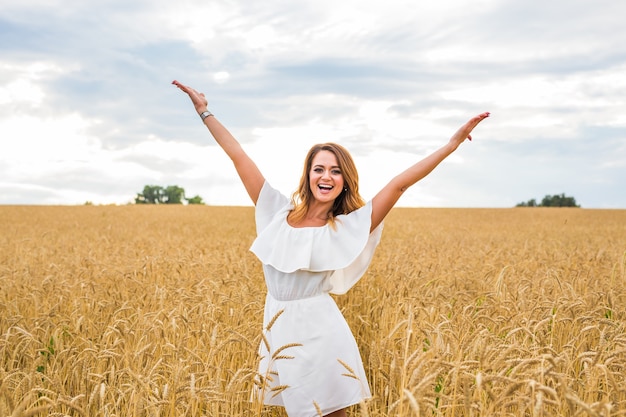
205	114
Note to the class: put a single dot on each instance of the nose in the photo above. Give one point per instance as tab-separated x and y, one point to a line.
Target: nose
326	174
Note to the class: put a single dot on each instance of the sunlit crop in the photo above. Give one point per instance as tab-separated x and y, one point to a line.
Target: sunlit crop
157	311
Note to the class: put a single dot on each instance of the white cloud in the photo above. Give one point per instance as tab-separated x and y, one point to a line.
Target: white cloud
91	103
589	89
221	77
41	149
22	83
22	90
32	141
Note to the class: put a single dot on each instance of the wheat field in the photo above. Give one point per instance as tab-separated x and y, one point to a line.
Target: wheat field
157	311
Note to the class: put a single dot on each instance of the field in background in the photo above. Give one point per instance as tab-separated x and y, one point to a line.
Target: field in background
157	311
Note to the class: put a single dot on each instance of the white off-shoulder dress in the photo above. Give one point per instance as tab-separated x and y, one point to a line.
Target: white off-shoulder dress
309	358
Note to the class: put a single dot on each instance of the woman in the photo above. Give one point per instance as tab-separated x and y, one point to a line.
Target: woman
319	242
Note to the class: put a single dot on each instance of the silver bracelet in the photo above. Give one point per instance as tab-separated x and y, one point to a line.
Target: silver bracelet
205	114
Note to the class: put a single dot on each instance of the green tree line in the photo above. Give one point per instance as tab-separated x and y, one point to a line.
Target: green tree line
556	200
172	194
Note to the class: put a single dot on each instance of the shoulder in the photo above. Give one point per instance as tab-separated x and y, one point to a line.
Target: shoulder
270	202
360	218
270	195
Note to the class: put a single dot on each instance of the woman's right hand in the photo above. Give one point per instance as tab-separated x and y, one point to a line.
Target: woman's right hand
198	99
249	173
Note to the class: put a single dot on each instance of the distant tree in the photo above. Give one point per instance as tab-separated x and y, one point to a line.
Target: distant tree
152	194
530	203
172	194
195	200
556	200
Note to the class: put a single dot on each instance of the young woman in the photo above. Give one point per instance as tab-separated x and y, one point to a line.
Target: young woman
319	242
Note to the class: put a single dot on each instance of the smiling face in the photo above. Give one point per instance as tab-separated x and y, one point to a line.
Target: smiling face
325	177
329	175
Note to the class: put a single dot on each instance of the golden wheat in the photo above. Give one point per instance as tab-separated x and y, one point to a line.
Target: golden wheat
157	311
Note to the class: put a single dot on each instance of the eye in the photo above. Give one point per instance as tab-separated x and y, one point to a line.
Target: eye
317	169
336	172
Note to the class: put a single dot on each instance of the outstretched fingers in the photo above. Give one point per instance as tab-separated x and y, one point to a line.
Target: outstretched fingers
473	122
198	99
183	87
465	131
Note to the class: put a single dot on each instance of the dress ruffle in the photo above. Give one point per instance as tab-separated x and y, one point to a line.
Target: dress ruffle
347	250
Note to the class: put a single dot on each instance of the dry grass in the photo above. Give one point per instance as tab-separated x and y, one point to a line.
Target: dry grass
157	311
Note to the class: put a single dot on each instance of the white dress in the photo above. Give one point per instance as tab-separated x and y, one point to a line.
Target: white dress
309	358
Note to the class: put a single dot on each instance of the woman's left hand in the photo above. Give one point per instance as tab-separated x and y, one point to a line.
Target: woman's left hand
465	131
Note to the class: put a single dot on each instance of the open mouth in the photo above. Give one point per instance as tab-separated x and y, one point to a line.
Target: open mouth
325	187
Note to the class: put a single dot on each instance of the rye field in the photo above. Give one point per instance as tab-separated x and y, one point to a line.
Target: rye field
157	311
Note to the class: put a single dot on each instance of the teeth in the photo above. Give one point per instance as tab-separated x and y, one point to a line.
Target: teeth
327	187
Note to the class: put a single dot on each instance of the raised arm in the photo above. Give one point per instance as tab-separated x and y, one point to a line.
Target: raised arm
389	195
246	168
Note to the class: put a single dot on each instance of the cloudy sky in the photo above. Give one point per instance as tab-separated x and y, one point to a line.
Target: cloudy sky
88	112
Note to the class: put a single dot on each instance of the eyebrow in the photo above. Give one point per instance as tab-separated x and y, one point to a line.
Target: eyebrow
323	166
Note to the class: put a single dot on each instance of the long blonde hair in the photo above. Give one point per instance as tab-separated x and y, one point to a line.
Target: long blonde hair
349	199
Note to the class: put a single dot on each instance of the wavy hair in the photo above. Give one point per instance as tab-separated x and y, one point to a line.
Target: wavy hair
349	199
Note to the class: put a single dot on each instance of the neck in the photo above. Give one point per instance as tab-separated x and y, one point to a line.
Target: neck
319	211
